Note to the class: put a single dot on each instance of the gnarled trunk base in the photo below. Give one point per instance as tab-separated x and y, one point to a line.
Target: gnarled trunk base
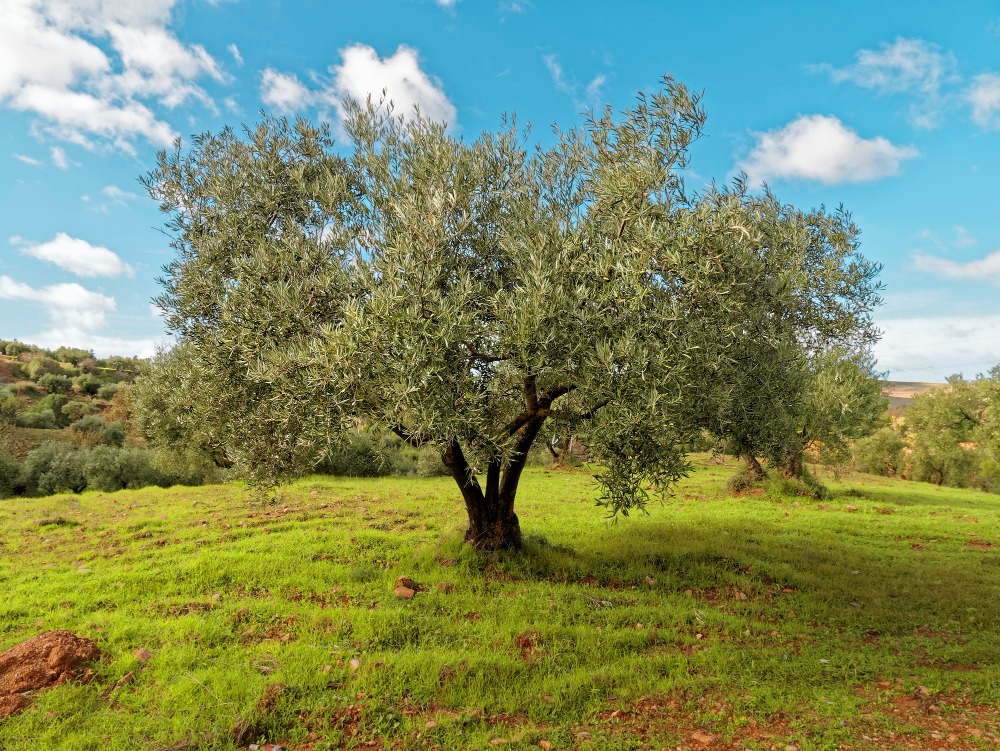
495	534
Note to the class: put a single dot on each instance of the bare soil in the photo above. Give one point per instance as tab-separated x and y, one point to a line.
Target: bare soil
42	662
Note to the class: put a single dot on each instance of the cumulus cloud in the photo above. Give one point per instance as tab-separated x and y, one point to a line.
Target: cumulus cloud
284	91
984	98
984	269
906	66
362	73
822	148
67	305
88	69
77	256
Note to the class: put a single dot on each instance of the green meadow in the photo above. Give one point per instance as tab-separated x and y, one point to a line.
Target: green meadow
761	620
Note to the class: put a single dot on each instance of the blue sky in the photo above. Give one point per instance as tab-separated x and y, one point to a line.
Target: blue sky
892	109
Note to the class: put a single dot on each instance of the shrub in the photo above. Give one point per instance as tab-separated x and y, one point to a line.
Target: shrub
10	476
55	404
429	463
107	391
44	419
94	431
39	365
73	411
72	354
87	384
109	469
55	383
54	467
10	407
881	453
15	348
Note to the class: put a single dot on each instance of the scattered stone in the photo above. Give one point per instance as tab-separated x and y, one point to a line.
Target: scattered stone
703	738
430	725
849	507
650	581
355	664
545	745
327	669
45	661
689	592
497	741
405	592
143	655
742	596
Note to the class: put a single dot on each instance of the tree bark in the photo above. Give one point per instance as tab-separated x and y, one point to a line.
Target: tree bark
754	466
493	525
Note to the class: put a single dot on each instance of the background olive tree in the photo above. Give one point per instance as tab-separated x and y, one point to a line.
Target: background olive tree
462	294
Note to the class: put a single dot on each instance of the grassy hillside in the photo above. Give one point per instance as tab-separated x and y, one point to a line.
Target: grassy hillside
758	621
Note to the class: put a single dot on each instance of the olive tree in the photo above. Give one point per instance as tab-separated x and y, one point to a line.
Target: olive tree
460	294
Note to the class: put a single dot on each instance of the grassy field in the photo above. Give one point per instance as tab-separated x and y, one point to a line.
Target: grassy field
759	621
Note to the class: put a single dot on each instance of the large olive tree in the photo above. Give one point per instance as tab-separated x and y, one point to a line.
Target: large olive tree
457	293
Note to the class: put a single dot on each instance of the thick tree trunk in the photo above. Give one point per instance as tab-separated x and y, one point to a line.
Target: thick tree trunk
493	525
754	466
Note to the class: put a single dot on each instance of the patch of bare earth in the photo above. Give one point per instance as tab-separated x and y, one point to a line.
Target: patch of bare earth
43	662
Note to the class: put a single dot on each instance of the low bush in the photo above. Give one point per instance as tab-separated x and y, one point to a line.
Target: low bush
93	431
107	391
87	384
54	467
10	476
881	453
39	365
43	419
55	383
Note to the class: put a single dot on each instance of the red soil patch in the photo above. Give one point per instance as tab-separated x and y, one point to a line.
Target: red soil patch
45	661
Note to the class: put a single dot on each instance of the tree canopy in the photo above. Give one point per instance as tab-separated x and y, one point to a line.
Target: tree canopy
461	294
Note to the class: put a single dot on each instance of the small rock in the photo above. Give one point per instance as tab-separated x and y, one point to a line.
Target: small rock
497	741
405	592
545	745
849	507
689	592
430	725
327	669
355	664
143	655
650	581
701	737
742	596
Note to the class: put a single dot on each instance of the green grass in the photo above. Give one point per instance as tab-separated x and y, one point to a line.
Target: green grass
767	621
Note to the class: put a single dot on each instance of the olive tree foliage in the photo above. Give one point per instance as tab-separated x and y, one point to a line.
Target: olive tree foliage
459	294
797	367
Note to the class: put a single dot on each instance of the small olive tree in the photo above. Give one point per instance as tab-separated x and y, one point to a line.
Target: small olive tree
458	294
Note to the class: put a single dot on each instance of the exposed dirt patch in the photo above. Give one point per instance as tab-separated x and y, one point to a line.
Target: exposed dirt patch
43	662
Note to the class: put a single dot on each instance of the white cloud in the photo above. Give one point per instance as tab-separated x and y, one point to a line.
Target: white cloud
822	148
446	3
283	91
117	195
59	158
67	305
101	345
907	66
235	52
515	6
27	160
930	348
984	98
360	74
985	269
88	69
583	96
78	257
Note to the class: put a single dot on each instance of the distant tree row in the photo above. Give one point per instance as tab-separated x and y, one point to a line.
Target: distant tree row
83	359
947	436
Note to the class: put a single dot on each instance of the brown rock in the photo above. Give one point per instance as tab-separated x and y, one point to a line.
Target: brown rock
405	581
701	737
45	661
405	592
143	655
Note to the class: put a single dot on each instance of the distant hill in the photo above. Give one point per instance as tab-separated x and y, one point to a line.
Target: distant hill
901	393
